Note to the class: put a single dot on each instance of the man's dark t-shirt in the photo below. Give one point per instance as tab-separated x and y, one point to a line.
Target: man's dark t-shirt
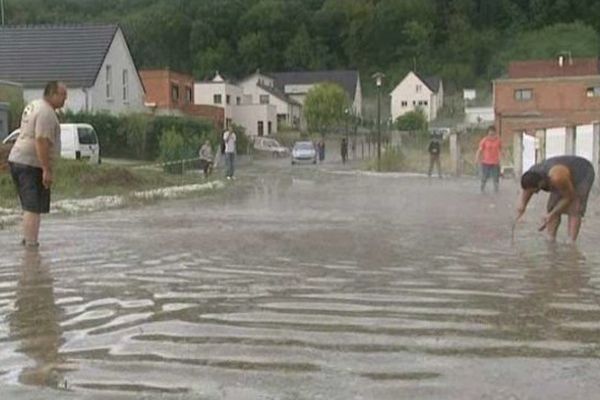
434	148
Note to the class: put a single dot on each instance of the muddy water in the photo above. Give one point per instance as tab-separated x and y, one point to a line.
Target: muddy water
304	285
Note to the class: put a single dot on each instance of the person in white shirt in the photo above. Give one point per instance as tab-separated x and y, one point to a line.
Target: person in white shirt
229	139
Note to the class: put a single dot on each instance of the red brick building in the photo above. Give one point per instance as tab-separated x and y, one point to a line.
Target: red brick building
546	94
172	93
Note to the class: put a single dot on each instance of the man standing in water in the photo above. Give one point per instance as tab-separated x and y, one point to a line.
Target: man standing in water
34	155
569	180
488	154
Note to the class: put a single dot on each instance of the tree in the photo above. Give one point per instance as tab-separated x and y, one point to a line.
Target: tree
324	107
412	121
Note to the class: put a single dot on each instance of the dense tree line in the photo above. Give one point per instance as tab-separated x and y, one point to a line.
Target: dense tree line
465	41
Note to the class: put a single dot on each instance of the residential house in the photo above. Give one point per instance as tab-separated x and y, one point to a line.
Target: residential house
92	59
415	92
239	108
172	93
260	88
544	94
296	85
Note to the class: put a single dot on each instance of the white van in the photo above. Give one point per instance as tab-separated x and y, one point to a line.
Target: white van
78	142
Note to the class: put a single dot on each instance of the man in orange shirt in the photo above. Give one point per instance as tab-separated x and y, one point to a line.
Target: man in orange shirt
488	154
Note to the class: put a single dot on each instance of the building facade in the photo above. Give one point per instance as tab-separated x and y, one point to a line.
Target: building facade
544	94
172	93
92	59
413	93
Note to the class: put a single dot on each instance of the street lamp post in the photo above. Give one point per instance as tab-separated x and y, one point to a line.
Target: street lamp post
346	113
378	76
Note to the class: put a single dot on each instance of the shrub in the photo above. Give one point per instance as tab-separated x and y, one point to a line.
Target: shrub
172	148
138	136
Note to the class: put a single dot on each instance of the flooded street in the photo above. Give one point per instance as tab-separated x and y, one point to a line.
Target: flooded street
304	283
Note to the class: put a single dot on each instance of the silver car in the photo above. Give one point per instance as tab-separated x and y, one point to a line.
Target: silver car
304	152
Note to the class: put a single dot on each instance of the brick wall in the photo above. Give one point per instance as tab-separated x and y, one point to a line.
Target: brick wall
556	101
159	86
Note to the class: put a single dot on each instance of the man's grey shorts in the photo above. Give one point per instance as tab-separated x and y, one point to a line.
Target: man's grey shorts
34	196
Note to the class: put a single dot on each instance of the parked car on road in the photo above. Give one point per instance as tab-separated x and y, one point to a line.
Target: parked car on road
304	152
78	142
271	146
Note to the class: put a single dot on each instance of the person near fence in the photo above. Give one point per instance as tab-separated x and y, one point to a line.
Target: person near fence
434	149
344	150
488	155
206	158
321	151
33	157
569	180
229	140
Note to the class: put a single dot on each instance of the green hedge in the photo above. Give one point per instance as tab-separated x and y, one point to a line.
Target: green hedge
138	136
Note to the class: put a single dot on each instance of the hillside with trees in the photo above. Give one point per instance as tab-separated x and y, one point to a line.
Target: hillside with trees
466	42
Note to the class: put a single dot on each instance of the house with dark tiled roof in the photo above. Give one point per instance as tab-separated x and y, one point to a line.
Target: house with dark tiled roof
260	88
92	59
297	84
416	92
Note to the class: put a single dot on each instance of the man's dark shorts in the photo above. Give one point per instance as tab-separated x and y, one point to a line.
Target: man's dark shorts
34	196
582	190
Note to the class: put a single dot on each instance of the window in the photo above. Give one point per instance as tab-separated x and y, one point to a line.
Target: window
269	127
414	103
405	104
228	99
425	103
217	99
109	82
419	88
264	99
593	91
523	94
175	93
87	136
238	100
125	85
189	95
261	128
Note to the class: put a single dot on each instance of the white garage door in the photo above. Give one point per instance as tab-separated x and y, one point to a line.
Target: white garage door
584	142
528	151
556	142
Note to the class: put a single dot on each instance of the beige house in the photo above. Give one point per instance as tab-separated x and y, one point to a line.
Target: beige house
260	88
250	110
415	92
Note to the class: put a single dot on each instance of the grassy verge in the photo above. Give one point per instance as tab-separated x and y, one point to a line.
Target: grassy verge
77	180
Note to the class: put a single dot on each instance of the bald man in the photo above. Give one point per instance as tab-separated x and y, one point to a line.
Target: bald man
569	180
32	158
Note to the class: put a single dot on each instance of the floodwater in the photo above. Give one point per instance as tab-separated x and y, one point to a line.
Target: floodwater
304	284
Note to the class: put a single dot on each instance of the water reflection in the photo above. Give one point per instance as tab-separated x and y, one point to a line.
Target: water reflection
35	321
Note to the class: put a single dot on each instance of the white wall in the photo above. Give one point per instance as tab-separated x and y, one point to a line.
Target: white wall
407	91
119	58
584	142
204	93
556	142
248	116
477	115
76	98
358	99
